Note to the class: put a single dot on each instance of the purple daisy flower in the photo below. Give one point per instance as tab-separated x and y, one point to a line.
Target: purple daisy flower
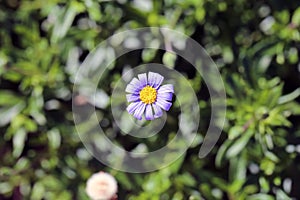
148	96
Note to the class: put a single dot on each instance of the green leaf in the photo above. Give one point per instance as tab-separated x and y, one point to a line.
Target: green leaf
289	97
260	196
19	142
187	179
8	113
8	98
178	196
236	186
267	166
220	183
169	59
175	166
264	184
274	95
221	152
238	168
250	189
5	188
54	138
291	108
51	183
239	144
205	190
281	195
38	191
272	156
64	195
124	179
22	164
63	23
296	17
157	179
235	132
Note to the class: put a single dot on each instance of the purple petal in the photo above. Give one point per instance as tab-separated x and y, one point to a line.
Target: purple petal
151	78
157	111
166	88
165	96
131	88
158	80
134	86
155	79
163	104
135	82
143	79
133	106
139	111
132	97
149	112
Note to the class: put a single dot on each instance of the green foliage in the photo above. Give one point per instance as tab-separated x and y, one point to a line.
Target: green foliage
254	44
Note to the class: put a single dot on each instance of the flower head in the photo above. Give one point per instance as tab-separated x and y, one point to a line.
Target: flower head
101	186
148	96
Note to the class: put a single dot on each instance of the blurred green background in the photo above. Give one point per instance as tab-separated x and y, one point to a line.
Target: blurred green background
256	46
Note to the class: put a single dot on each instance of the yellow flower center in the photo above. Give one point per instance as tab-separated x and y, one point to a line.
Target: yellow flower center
148	95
